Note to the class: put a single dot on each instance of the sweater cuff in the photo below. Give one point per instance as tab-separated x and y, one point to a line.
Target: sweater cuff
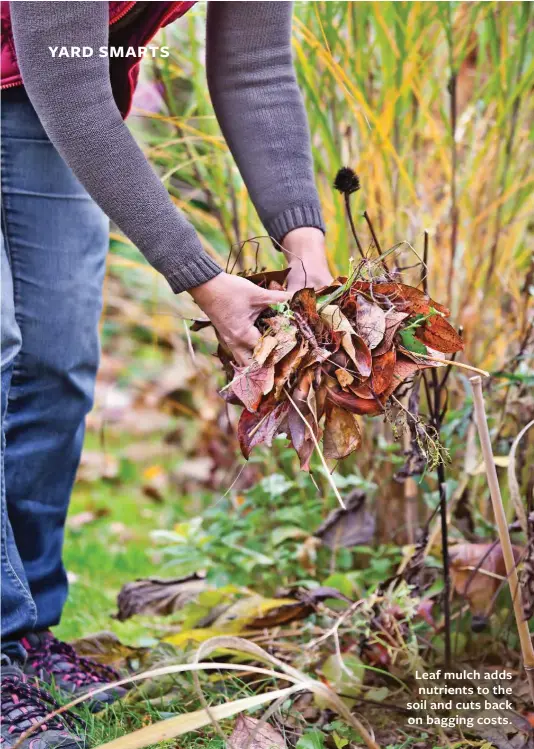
203	268
295	217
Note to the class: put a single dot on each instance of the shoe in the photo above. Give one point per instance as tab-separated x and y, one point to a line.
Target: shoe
54	662
23	705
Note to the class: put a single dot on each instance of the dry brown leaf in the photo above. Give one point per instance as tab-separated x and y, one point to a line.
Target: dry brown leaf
477	571
370	321
154	595
351	526
342	434
306	605
344	378
337	321
264	278
264	347
393	323
105	647
288	366
252	733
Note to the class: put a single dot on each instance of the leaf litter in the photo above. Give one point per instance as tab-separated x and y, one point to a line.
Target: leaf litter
330	356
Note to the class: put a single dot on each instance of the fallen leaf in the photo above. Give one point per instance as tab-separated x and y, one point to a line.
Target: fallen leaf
353	403
342	434
260	427
337	321
477	571
352	526
105	647
439	334
264	347
370	321
286	337
264	278
404	298
251	383
383	369
288	366
344	673
252	733
364	360
304	302
159	596
301	422
344	378
405	368
96	465
393	322
80	519
289	611
247	612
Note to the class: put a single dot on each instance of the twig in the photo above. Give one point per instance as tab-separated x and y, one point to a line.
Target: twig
513	483
319	451
424	271
453	363
375	240
189	343
502	526
437	414
353	228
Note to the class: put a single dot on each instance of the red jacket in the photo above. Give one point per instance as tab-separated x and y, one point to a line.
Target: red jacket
125	70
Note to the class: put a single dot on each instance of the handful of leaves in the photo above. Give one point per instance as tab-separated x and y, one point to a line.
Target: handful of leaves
330	355
335	353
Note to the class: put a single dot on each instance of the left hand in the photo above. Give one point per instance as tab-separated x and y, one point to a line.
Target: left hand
304	250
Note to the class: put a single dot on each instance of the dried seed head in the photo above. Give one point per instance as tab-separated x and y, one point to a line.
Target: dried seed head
347	181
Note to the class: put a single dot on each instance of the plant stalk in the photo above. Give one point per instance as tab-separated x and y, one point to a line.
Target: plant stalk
500	517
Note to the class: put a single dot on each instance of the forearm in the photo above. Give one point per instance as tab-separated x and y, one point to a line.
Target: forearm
74	101
259	107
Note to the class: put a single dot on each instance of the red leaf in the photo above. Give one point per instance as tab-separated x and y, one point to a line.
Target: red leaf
439	334
404	298
383	369
404	368
251	383
364	359
352	403
250	434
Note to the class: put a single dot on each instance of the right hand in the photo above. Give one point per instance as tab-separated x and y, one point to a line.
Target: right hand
233	304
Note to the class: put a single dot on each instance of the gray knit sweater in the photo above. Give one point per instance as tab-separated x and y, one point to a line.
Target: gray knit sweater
257	103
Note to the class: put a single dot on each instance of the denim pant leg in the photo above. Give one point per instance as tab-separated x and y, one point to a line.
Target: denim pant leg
57	240
18	608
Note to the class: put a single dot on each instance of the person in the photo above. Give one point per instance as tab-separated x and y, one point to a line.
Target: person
69	163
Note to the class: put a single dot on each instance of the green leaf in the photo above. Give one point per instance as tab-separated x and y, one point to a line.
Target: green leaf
345	677
339	582
410	342
311	740
339	741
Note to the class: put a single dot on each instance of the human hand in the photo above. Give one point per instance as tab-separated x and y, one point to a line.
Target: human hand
233	304
304	249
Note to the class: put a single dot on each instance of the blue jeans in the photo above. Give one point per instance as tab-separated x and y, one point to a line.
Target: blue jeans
54	241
